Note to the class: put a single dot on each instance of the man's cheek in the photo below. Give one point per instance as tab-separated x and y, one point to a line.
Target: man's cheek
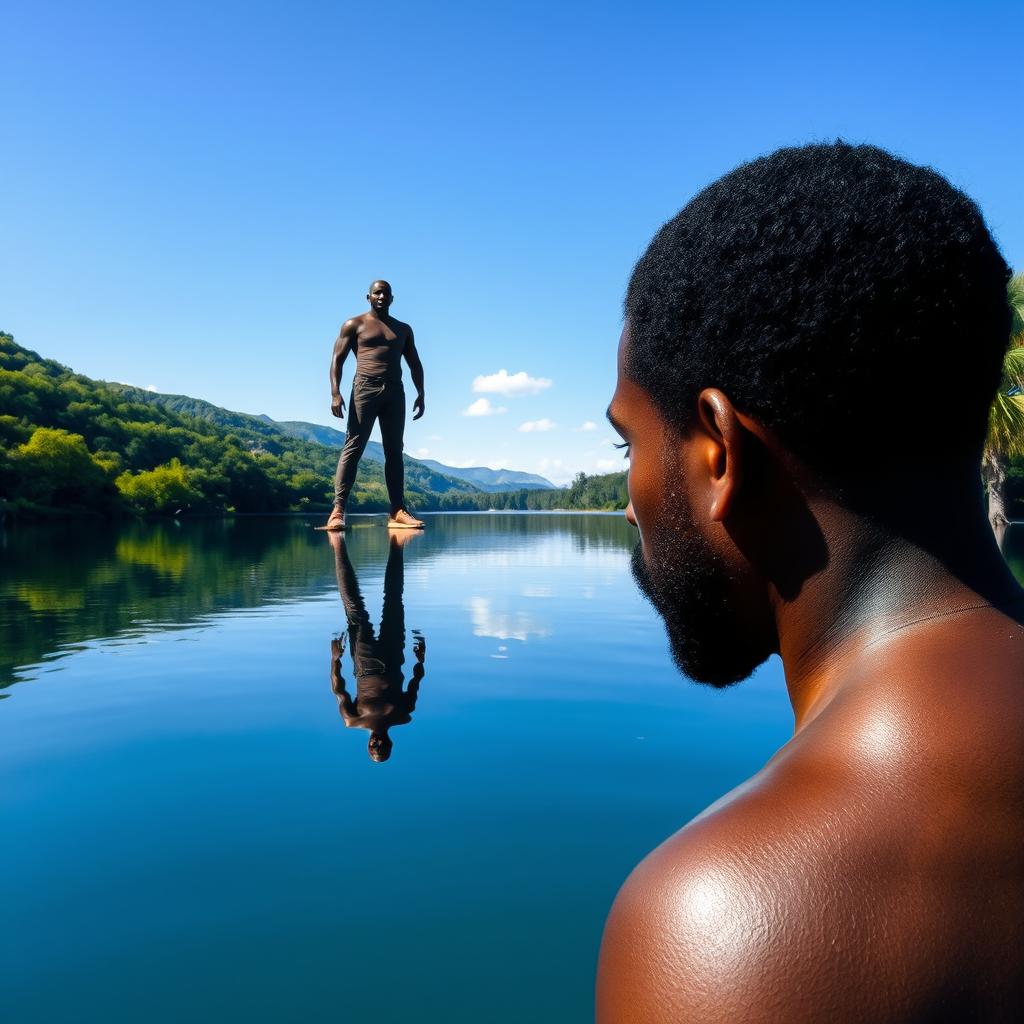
646	545
639	491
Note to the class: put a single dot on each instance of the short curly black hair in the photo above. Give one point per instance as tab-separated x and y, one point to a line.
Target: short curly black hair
851	301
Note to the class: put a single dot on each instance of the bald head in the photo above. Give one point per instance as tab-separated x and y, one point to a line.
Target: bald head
380	296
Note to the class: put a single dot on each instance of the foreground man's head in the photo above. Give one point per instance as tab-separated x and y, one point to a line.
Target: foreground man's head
811	349
830	316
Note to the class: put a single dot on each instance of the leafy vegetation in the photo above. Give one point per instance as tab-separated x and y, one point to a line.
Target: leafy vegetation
71	443
586	493
1002	463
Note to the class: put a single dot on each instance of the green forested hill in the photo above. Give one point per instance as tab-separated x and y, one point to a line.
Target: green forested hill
196	408
422	478
72	443
67	441
479	478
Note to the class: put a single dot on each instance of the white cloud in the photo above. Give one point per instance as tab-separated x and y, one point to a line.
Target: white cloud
483	407
504	623
537	426
420	453
513	385
586	426
555	470
151	387
608	465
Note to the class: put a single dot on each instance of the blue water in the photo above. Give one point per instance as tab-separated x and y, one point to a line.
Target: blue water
190	832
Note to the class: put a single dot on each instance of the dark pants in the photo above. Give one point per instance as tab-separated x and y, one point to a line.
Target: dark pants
383	654
372	399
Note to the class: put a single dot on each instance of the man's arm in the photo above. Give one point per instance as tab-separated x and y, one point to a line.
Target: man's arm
412	357
419	648
346	706
413	689
337	683
342	346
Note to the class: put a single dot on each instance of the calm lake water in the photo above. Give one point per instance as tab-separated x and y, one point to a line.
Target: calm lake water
193	828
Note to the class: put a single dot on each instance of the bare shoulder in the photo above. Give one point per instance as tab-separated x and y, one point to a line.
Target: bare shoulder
771	906
350	329
705	928
827	888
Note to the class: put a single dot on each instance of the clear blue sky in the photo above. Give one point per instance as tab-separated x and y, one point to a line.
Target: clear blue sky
194	196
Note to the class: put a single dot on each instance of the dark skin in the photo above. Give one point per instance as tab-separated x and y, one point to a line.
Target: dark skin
374	708
375	329
872	870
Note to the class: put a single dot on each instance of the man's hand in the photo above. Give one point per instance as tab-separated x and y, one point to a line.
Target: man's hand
418	407
338	406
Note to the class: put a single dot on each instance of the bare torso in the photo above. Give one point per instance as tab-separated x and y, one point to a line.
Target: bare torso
380	701
872	871
379	345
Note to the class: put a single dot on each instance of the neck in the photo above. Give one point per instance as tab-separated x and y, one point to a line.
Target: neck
880	578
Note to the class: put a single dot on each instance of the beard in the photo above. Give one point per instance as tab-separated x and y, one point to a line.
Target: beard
691	587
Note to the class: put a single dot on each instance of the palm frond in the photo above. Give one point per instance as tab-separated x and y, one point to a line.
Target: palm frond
1013	370
1006	425
1015	296
1006	415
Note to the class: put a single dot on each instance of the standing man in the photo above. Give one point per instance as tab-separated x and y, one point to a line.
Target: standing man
379	342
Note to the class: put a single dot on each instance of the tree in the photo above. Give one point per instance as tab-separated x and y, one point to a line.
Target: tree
56	467
1006	417
574	498
165	489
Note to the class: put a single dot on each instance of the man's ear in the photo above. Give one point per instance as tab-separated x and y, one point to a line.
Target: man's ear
724	451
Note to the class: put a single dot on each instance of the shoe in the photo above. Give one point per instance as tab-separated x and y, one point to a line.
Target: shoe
401	520
397	538
337	521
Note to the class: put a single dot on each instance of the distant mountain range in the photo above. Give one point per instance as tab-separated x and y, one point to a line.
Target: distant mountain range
492	479
482	478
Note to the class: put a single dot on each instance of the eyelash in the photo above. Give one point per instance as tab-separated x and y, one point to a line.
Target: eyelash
625	444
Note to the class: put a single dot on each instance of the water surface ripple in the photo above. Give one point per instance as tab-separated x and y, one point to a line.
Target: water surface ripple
249	775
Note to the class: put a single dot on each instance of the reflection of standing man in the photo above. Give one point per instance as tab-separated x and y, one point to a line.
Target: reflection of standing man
377	660
379	342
